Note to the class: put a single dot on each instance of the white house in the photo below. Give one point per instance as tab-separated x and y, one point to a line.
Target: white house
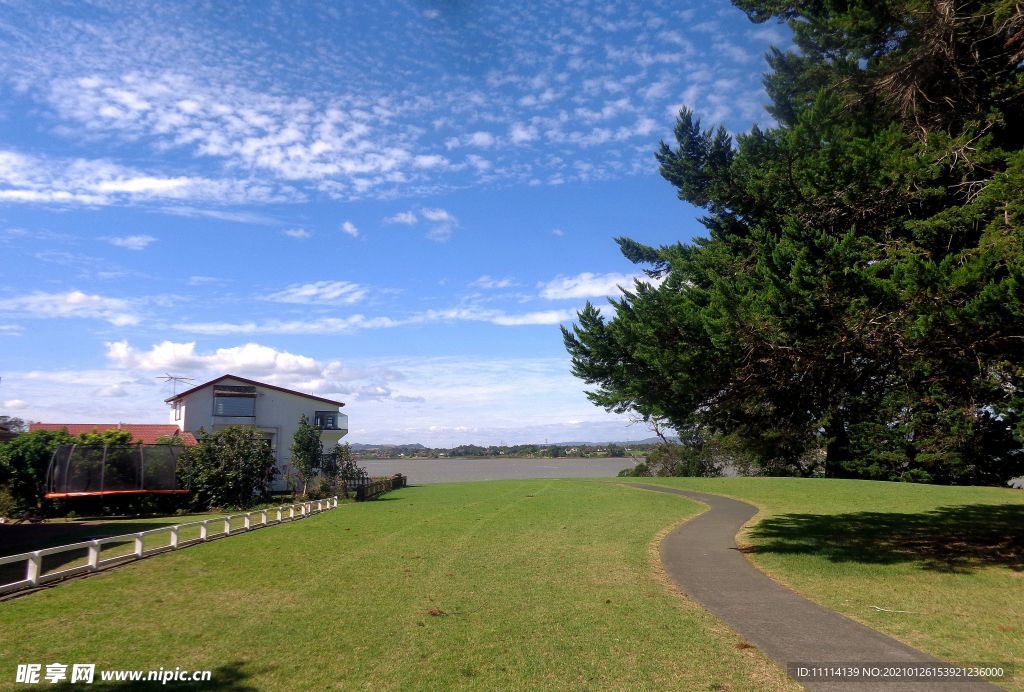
275	411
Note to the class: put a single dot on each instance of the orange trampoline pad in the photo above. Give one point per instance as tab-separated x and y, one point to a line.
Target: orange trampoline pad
103	493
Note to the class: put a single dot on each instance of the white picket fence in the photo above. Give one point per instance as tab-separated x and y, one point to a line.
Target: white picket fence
209	529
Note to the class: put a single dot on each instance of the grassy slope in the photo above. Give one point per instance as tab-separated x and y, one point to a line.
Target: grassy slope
532	584
952	557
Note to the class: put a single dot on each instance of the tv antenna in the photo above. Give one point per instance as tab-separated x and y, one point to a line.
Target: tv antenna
174	380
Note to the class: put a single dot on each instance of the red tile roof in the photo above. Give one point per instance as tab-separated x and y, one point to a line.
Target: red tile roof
258	384
146	433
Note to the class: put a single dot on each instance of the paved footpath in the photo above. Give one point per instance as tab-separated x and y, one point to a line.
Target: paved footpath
702	558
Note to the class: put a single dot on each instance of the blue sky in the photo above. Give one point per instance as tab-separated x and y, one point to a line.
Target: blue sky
394	204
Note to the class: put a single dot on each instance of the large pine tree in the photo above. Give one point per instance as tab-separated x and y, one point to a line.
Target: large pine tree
857	305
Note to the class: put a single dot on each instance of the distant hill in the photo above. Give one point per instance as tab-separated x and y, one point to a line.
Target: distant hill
361	447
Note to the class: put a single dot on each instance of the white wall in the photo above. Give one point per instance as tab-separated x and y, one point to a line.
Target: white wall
276	412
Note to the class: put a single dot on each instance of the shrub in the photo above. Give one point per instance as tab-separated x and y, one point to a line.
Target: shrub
23	464
232	467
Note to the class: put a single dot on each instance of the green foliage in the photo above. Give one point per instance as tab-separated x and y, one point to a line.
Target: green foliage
857	305
231	467
23	464
307	451
343	470
8	505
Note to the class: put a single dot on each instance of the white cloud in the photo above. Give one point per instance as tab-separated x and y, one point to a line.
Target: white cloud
15	404
221	215
131	242
100	182
11	330
249	358
520	133
117	311
499	317
320	292
349	228
557	232
407	218
585	285
489	282
481	139
430	161
320	325
439	215
112	391
205	280
358	322
444	223
298	233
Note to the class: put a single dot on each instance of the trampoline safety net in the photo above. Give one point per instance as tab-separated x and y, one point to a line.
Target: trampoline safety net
82	470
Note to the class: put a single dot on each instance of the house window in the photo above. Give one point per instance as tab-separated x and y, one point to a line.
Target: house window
326	420
177	410
234	402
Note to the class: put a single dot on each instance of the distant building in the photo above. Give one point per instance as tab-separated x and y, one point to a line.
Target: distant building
146	433
274	411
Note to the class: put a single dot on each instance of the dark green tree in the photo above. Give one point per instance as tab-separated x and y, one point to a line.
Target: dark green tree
857	305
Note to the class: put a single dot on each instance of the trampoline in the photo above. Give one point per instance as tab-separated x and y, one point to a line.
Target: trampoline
101	470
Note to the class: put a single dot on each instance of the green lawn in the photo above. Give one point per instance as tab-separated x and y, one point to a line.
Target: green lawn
953	558
510	585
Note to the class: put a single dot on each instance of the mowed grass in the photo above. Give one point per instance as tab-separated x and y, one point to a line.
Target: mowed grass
951	559
22	538
497	585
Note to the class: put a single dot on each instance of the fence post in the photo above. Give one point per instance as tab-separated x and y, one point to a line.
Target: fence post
291	512
280	514
138	544
174	537
248	520
263	517
34	569
94	555
204	529
227	525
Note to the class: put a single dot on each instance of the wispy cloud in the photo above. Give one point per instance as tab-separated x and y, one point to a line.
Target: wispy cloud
489	282
345	116
406	218
200	280
298	233
72	304
319	325
131	242
320	292
99	182
349	228
443	223
245	217
586	285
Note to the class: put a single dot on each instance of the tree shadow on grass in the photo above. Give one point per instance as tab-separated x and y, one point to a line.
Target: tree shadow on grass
231	676
958	538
